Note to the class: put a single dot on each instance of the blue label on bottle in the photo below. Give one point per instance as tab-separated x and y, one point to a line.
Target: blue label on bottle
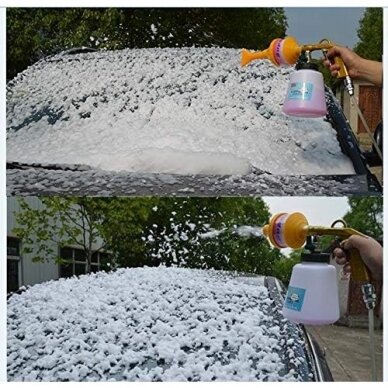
294	298
300	91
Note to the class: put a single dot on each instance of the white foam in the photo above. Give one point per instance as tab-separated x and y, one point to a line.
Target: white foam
146	324
187	111
174	161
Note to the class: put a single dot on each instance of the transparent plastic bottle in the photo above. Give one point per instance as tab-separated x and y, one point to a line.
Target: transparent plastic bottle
306	93
312	295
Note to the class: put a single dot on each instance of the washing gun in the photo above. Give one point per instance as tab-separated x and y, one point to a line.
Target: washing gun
293	231
287	52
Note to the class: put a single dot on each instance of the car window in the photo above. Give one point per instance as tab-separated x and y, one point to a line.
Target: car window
143	110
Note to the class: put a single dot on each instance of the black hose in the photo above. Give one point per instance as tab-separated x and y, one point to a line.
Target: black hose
345	135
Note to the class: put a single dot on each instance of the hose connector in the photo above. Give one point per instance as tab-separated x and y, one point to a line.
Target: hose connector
369	295
349	85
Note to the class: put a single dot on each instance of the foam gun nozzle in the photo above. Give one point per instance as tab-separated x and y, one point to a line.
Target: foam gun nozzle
285	52
280	52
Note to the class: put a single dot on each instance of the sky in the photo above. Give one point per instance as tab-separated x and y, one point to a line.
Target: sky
319	211
310	25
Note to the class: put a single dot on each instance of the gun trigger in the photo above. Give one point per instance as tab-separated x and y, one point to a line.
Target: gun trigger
342	72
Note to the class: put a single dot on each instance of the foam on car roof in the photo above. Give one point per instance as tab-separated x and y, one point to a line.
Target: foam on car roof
148	324
179	109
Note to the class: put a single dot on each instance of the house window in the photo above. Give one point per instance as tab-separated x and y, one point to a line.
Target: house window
13	246
74	262
13	264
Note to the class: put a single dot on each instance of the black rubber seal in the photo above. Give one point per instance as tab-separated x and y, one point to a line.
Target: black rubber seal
315	257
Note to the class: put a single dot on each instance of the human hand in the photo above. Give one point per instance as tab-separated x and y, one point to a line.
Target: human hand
370	251
352	61
357	67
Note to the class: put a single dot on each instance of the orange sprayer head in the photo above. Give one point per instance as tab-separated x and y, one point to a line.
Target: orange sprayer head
280	52
287	230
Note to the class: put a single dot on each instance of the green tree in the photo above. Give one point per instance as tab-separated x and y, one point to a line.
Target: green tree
169	231
123	227
370	34
64	221
283	267
152	231
328	79
33	33
114	224
176	236
370	44
366	215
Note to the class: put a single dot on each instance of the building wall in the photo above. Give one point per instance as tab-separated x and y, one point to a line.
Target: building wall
350	110
343	290
30	272
348	106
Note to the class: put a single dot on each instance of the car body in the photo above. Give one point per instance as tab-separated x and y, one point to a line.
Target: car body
173	120
158	324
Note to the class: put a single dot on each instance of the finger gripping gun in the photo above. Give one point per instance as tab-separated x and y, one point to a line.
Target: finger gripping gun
286	52
291	231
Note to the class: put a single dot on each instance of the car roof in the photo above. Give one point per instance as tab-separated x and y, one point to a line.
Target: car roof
146	109
154	324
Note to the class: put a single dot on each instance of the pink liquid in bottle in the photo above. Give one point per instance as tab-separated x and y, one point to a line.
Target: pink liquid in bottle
306	93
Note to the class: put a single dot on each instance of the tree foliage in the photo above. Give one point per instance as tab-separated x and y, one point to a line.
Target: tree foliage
370	44
33	33
152	231
123	228
370	34
366	215
283	267
175	236
64	221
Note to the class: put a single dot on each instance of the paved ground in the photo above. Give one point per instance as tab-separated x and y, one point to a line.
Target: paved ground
378	172
347	351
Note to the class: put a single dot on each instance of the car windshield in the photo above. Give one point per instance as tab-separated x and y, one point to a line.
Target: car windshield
146	110
153	324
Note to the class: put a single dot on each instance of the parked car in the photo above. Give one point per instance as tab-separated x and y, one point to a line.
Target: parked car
158	324
173	120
